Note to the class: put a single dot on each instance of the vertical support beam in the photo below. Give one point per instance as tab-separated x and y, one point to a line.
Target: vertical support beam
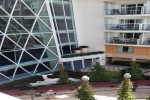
53	28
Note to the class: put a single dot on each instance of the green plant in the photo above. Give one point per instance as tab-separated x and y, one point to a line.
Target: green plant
148	98
101	74
63	75
125	91
85	92
135	71
82	54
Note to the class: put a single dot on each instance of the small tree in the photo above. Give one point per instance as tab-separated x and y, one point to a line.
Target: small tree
84	91
101	74
63	75
125	91
135	72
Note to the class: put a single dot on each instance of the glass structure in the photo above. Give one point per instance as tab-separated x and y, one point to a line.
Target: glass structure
64	25
32	33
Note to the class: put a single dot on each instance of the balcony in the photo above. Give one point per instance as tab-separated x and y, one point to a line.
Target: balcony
117	40
127	11
146	42
128	27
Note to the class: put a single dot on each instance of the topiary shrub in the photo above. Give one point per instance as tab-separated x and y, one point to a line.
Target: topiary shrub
63	75
125	91
85	92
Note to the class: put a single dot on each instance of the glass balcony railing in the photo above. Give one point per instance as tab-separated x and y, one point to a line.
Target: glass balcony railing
128	27
123	26
117	40
128	11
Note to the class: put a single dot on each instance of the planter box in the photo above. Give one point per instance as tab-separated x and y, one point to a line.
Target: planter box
84	50
77	51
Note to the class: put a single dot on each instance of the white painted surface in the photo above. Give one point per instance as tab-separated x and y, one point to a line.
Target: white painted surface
89	22
7	97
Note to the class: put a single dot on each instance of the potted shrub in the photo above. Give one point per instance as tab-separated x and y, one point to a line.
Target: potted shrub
77	50
84	49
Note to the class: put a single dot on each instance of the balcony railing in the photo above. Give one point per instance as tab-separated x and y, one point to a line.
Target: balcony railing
128	11
117	40
146	42
123	26
134	27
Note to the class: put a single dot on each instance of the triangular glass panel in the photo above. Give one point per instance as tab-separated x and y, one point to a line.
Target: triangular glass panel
41	27
46	21
9	73
37	52
42	69
3	79
7	5
11	55
45	38
52	43
20	73
7	67
26	22
4	61
53	49
34	43
19	39
51	54
27	59
30	68
15	28
53	64
44	11
3	23
8	45
2	12
22	10
34	5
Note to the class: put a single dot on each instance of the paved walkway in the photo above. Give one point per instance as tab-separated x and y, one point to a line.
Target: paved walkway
99	93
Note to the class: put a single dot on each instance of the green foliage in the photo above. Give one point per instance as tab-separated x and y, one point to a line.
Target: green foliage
63	75
148	98
135	72
125	91
101	74
121	63
85	92
128	63
82	54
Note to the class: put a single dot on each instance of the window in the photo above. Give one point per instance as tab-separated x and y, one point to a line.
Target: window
64	38
125	49
88	63
77	65
58	9
67	65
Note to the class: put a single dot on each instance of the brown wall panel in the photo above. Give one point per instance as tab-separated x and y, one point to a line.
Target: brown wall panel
137	50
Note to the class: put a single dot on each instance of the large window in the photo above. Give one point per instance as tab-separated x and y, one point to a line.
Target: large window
125	49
